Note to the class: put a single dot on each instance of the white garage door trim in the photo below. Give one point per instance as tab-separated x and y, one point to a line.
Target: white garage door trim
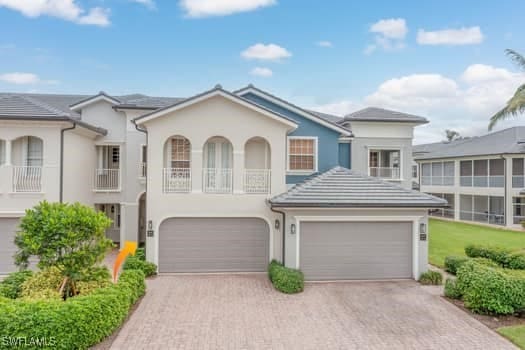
415	232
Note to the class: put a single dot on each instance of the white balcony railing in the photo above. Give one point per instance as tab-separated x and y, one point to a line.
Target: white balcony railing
176	180
385	173
217	180
107	180
257	180
27	179
143	170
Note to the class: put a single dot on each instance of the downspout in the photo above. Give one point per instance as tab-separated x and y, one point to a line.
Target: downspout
505	185
284	230
61	178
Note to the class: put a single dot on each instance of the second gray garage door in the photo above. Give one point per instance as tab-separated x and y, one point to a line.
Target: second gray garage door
213	245
8	227
356	250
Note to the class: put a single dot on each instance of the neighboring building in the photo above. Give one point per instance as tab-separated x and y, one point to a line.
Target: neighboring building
482	178
233	180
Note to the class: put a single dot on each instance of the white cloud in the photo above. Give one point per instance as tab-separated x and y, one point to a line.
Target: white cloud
206	8
20	78
479	73
461	36
393	28
68	10
270	52
262	72
325	43
390	35
150	4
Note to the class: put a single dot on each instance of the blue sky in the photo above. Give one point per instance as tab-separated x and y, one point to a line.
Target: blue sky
442	59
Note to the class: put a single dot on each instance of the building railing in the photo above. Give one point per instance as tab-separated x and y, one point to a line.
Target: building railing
518	181
487	217
437	180
385	173
518	219
176	180
444	213
27	179
143	170
216	180
482	181
257	180
107	180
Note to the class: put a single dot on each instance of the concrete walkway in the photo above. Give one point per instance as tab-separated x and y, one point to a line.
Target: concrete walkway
245	312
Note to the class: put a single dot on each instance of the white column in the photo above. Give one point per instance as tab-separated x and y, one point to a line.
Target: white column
457	189
509	207
238	171
196	170
129	220
8	152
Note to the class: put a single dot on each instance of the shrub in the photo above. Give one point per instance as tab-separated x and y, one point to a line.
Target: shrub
431	278
141	254
11	286
76	323
504	257
451	289
43	284
493	290
69	236
453	263
285	279
135	263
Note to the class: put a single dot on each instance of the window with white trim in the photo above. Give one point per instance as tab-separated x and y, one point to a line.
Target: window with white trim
302	154
180	153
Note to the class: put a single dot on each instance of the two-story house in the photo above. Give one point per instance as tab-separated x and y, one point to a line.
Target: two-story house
223	181
482	177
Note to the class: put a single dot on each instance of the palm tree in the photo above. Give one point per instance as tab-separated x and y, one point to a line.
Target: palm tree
516	105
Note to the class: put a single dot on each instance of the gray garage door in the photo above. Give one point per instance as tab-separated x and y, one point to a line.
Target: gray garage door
356	250
8	227
213	245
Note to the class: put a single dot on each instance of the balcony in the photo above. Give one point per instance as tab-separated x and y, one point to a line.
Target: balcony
257	180
107	180
385	173
27	179
176	180
216	180
482	181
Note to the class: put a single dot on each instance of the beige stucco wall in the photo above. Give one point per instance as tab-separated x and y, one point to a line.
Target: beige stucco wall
216	116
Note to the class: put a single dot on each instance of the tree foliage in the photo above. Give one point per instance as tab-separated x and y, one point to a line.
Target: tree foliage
70	237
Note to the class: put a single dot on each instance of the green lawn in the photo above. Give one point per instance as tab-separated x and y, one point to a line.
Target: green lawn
450	238
515	334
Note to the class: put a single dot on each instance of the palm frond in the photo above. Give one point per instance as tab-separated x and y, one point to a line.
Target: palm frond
515	106
516	58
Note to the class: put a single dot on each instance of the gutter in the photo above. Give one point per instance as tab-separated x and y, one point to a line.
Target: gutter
284	231
61	180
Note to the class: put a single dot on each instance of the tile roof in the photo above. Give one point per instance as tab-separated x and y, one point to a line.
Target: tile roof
328	117
507	141
340	187
375	114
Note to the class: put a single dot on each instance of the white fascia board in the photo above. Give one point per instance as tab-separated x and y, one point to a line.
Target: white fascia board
294	109
94	99
235	99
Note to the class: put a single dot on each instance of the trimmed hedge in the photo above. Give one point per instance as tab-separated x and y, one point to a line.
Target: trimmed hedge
11	286
451	289
453	263
284	279
504	257
491	290
431	278
136	263
76	323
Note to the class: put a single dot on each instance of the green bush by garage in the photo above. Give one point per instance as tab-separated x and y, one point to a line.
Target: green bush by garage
76	323
285	279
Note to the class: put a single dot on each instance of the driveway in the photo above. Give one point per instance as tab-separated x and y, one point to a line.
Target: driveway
245	312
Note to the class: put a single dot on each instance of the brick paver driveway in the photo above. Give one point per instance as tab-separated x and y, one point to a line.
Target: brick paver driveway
245	312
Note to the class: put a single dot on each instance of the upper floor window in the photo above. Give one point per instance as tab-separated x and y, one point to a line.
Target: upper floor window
302	154
482	173
385	163
438	173
180	153
414	171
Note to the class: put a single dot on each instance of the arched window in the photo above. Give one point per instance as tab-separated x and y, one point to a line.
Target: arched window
177	160
217	165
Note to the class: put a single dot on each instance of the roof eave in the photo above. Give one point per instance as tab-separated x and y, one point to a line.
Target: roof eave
356	205
80	123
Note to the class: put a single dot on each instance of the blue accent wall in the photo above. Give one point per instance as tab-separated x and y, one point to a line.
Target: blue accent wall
329	149
344	155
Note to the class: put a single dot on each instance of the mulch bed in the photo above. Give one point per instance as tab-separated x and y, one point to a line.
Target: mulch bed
491	321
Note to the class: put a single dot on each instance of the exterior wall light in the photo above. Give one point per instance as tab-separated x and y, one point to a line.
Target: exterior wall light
292	229
277	224
150	225
422	232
